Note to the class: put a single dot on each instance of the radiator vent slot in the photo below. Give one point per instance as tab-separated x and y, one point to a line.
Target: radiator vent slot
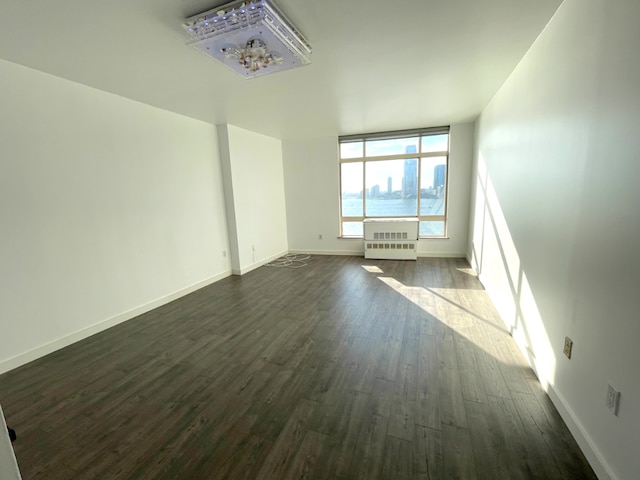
391	246
390	235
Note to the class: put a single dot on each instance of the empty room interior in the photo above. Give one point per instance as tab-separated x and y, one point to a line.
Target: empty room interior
200	279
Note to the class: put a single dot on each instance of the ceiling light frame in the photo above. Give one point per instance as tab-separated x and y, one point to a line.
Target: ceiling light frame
252	38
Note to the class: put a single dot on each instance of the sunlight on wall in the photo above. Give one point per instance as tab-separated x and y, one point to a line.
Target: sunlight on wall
529	332
496	259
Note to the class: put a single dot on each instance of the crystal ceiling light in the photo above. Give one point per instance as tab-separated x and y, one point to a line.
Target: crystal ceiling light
253	38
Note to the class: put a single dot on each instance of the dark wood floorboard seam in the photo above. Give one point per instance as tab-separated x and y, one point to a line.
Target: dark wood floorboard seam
331	371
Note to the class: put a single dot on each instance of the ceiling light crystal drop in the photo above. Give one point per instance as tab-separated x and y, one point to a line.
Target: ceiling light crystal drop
252	38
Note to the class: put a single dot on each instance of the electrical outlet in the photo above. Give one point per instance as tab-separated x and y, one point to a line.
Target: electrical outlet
319	236
613	399
568	345
224	253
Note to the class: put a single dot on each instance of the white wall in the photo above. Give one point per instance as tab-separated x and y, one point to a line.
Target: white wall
108	208
254	192
460	161
312	192
555	226
312	186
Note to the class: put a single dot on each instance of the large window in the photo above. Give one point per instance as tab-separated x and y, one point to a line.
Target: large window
395	174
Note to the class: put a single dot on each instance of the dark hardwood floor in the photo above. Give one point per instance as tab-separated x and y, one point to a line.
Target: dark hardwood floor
344	369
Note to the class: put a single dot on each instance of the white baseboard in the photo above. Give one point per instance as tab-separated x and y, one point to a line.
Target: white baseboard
440	255
359	253
258	264
588	447
41	351
595	458
469	259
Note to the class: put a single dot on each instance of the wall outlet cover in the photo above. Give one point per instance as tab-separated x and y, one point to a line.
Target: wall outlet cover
613	399
568	346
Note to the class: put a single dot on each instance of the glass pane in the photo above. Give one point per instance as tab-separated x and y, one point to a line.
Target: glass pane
392	188
397	146
352	150
432	229
435	143
351	188
433	181
352	229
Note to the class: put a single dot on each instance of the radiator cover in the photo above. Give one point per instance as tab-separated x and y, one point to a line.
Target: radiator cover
392	239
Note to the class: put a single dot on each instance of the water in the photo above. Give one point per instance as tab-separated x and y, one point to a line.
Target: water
394	207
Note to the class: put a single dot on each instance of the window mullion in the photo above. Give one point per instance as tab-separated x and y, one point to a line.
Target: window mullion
419	185
364	187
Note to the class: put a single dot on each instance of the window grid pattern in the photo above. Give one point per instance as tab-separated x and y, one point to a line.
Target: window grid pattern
422	159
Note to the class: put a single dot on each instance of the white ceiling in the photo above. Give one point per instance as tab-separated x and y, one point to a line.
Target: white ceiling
376	65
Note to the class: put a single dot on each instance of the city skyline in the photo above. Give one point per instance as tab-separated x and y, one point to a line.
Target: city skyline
383	170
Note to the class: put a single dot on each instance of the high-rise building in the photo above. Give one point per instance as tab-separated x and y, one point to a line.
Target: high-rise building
410	180
439	176
389	185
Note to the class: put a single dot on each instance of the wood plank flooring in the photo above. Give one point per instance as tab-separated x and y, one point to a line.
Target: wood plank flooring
344	369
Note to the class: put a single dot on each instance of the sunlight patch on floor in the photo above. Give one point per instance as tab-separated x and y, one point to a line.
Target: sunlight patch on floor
372	269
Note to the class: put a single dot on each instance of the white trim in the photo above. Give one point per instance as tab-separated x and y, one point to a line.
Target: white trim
440	255
600	466
360	253
47	348
258	264
354	253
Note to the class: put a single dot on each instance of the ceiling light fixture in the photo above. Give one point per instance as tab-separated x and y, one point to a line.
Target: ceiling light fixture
253	38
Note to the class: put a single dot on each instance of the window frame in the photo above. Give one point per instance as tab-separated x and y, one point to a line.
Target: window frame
419	155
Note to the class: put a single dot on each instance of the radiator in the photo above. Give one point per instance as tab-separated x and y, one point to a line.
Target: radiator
393	239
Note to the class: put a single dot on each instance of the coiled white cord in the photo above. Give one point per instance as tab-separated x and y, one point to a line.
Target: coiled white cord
290	260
